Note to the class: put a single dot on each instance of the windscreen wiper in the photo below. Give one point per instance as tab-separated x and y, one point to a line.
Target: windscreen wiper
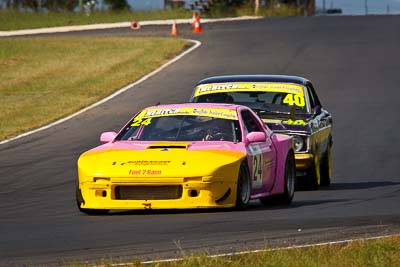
263	112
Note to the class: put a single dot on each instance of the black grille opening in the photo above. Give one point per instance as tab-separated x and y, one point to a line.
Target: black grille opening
148	192
168	147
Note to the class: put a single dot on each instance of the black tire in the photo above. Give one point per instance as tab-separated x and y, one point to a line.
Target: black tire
290	179
79	201
326	168
93	211
290	184
243	187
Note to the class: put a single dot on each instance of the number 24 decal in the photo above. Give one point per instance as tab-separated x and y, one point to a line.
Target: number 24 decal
138	121
257	168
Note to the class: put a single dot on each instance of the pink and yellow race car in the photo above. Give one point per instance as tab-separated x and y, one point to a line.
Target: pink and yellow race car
185	156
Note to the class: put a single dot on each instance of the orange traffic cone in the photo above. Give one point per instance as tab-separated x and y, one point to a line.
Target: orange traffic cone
174	30
197	25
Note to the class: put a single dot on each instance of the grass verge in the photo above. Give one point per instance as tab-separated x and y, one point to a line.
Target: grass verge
381	252
44	79
14	20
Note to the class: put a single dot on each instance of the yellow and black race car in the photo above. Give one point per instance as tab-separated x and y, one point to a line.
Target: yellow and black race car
287	104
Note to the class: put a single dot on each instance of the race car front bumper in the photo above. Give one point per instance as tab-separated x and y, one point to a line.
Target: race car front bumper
167	193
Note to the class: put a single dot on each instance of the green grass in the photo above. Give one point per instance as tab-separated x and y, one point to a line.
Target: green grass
44	79
372	253
13	20
383	252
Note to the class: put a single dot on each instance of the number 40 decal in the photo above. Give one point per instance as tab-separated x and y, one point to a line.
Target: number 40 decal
292	99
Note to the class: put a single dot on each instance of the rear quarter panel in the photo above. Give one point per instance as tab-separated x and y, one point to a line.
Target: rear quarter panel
283	144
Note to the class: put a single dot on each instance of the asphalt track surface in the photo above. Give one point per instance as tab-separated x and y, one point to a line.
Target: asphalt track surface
354	63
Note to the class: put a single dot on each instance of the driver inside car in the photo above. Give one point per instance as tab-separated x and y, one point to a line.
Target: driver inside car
219	130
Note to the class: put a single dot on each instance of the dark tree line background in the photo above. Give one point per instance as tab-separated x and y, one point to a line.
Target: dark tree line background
267	2
71	5
60	5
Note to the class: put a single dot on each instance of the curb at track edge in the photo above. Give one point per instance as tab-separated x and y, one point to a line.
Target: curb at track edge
118	92
104	26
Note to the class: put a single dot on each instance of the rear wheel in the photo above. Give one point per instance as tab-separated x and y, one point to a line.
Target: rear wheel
290	179
326	168
243	187
290	182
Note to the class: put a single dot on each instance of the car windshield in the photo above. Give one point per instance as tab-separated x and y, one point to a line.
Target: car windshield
182	128
267	97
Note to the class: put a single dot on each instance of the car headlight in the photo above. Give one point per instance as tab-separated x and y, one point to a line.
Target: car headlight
299	143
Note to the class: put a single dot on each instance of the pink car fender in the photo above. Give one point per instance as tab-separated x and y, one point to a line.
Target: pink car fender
283	144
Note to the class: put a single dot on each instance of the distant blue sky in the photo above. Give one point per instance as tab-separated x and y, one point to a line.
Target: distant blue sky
349	7
140	4
357	7
146	4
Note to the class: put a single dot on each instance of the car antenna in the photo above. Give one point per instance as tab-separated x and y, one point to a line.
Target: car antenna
158	103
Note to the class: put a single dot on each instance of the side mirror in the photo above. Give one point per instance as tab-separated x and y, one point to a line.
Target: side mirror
107	137
317	110
255	137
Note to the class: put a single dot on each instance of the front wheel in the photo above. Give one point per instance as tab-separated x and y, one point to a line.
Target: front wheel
243	187
93	211
290	183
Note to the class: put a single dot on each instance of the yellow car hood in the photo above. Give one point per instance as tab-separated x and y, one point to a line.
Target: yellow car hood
158	160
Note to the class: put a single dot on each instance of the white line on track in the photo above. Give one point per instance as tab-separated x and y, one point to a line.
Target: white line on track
120	91
114	25
262	250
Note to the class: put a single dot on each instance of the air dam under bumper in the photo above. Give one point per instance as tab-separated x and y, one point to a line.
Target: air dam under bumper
168	194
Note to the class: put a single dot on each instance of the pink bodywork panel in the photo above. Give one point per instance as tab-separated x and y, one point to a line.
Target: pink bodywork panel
196	145
283	144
